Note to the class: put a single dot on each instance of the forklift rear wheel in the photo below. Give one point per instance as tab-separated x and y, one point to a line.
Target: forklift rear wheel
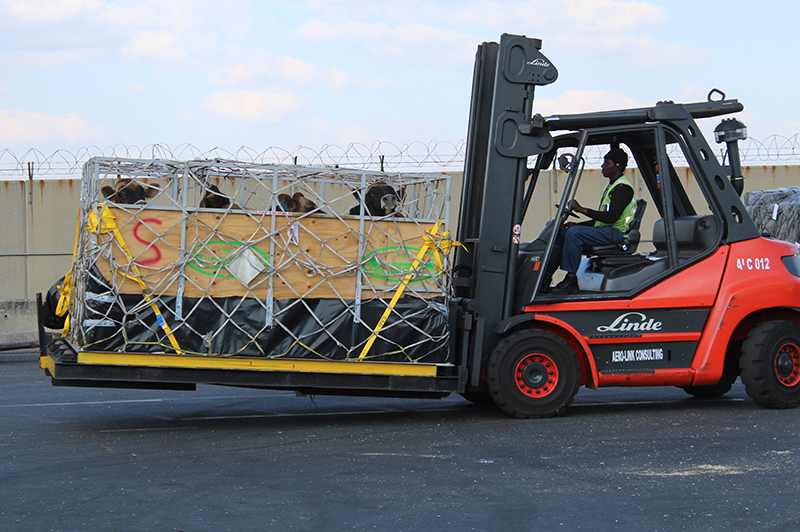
770	364
533	373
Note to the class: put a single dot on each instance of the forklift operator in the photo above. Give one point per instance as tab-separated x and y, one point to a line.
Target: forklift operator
606	225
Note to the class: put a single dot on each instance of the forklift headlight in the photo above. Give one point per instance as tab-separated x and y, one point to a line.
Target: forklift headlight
792	263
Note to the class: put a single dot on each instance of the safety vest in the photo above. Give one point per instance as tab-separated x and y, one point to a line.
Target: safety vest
623	223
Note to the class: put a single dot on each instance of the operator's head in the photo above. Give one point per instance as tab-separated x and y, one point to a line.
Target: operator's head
614	163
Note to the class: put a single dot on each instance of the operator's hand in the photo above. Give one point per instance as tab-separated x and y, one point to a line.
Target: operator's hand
577	207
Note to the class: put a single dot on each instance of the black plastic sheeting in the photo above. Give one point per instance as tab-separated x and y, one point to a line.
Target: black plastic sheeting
319	329
49	306
776	212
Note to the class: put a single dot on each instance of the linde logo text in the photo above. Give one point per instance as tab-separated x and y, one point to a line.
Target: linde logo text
539	62
631	321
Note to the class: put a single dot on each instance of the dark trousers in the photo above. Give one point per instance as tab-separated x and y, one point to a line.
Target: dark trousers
574	239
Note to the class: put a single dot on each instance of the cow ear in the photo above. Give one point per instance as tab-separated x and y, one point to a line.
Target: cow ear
151	191
401	193
107	191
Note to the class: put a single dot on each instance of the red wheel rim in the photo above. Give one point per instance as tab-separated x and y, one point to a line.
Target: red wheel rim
787	364
536	375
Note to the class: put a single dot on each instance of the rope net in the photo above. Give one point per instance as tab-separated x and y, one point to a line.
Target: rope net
237	259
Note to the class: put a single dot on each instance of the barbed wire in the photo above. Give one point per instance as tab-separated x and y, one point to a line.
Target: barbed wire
380	155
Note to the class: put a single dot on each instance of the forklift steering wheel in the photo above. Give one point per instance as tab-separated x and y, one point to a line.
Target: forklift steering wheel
566	214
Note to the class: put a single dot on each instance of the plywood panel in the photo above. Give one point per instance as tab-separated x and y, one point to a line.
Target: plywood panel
311	256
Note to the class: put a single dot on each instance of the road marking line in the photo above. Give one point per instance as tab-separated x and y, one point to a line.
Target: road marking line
88	403
147	429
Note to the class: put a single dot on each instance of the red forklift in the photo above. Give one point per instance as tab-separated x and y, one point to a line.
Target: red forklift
713	300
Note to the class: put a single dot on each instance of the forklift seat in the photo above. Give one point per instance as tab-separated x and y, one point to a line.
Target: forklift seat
630	240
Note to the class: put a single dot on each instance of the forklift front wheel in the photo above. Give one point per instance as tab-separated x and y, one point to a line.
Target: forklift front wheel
533	373
770	364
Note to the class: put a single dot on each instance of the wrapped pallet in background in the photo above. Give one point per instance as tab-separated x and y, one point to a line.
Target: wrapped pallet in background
776	212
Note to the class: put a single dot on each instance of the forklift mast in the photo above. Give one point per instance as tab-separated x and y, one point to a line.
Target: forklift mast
502	135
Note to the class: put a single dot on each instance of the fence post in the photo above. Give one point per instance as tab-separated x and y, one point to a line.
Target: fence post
30	183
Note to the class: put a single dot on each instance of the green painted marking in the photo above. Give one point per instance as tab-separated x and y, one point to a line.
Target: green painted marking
213	264
393	263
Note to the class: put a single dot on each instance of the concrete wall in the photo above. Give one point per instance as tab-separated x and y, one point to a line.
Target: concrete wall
18	321
38	222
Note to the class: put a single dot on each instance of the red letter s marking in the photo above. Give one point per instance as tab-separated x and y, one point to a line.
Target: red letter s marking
157	258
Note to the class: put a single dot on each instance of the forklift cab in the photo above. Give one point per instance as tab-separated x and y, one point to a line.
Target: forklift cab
678	221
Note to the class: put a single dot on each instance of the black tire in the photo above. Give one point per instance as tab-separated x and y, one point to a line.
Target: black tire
770	364
713	390
533	374
482	399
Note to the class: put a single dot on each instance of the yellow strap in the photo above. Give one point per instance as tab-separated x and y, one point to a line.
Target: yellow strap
108	224
430	240
441	245
64	289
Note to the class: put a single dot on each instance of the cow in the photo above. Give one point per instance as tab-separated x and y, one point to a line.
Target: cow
380	199
214	199
130	192
296	203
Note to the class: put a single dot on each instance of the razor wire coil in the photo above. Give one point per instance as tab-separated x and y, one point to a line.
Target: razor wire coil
380	155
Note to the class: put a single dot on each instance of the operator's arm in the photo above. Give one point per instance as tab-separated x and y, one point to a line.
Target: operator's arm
621	196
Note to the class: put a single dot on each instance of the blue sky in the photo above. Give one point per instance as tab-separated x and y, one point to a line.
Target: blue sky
77	73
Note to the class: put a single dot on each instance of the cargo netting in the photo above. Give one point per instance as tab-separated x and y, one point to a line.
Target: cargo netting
272	265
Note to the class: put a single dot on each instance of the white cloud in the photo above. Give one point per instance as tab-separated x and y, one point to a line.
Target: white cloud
381	9
264	67
52	10
761	127
692	93
254	106
570	16
251	64
581	101
644	52
25	126
46	59
408	42
610	28
155	45
151	29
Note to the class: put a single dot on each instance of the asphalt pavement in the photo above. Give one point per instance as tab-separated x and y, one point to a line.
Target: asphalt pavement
230	459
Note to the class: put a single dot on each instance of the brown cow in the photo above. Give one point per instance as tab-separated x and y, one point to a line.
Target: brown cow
129	192
214	199
380	199
296	203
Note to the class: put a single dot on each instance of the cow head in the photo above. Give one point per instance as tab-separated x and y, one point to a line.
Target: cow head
129	192
380	199
214	199
296	203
